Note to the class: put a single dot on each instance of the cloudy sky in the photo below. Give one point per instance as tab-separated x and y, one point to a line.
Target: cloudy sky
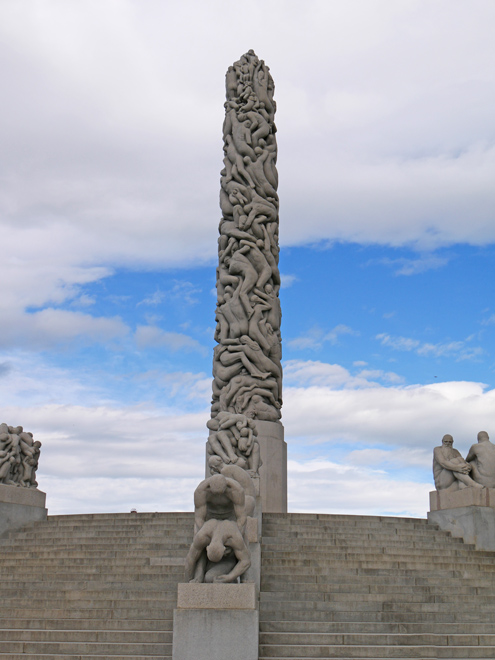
110	156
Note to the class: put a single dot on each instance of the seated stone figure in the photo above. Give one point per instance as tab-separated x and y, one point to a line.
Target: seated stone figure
481	458
450	470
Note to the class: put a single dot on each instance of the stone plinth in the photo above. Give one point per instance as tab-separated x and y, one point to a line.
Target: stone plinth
20	506
216	622
273	472
216	596
468	514
445	499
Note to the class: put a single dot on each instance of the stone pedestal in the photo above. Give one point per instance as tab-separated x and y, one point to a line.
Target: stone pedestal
468	514
273	472
20	507
216	622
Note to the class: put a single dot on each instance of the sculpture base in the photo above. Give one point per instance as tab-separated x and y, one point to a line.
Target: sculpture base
273	472
468	514
453	499
20	507
216	622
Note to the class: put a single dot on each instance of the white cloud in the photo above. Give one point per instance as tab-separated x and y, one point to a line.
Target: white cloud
458	349
287	280
354	490
100	169
316	337
405	266
110	451
396	416
52	328
155	298
149	336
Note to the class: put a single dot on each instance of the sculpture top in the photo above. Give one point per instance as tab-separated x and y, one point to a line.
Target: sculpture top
19	456
249	83
452	472
481	458
247	366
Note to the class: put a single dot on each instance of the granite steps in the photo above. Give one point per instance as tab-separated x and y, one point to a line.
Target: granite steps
372	587
100	586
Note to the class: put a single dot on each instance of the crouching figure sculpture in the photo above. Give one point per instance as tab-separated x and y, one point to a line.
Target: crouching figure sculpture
219	551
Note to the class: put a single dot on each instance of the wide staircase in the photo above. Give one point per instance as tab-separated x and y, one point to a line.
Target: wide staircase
104	587
92	586
372	587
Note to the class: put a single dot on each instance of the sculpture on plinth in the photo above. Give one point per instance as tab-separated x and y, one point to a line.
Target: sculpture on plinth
451	472
220	551
19	457
246	367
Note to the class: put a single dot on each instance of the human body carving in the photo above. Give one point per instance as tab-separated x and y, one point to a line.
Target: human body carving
19	456
219	552
248	280
481	458
450	470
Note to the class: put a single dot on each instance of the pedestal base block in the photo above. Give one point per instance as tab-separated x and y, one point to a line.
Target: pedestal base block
20	507
216	622
474	524
468	513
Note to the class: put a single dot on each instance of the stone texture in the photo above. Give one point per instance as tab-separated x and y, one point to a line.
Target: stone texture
247	367
20	507
444	499
474	524
207	634
19	457
273	472
252	533
450	471
337	586
481	458
333	586
219	551
217	596
24	496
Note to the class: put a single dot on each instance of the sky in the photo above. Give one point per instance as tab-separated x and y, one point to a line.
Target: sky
110	159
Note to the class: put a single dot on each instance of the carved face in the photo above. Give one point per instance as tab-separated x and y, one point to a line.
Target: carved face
447	441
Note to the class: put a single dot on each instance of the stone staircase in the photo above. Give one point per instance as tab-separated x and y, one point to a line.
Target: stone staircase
104	587
372	587
92	586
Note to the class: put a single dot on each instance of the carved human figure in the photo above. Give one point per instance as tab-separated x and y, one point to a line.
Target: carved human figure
450	470
481	458
248	278
19	456
221	442
218	553
244	431
260	410
217	466
219	498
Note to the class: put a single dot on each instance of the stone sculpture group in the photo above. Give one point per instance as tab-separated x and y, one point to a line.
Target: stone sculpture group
232	439
19	455
451	472
222	503
247	368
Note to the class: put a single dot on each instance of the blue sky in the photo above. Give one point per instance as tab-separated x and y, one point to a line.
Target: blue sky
110	160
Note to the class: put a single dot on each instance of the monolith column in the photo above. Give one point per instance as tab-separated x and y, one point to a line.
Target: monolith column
247	370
